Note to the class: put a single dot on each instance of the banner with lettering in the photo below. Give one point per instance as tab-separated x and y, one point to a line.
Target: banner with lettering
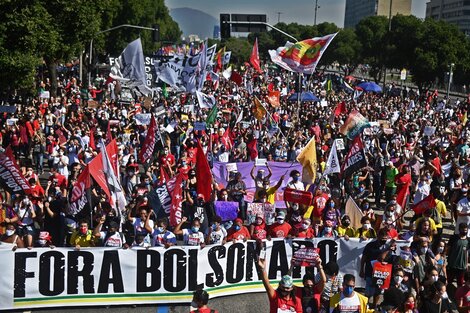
44	277
11	178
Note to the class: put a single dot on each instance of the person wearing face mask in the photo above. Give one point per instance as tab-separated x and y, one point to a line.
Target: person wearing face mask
82	237
238	231
366	231
295	183
258	228
280	229
368	211
345	229
462	295
328	230
437	301
217	233
10	237
310	290
304	230
398	281
457	255
409	306
348	300
284	298
331	213
162	237
260	177
191	236
26	214
111	237
383	244
421	257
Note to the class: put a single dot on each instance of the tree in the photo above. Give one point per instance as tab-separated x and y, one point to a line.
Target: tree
344	49
438	47
372	32
25	31
404	38
241	49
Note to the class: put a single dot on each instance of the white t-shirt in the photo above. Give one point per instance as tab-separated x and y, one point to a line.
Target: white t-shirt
192	239
160	239
115	240
463	206
348	305
216	237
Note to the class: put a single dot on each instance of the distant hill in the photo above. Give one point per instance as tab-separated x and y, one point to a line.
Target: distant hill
194	22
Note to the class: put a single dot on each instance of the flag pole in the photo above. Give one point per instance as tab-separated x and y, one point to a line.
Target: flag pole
269	114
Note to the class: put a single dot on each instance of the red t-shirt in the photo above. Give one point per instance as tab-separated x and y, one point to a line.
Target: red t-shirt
280	230
464	294
241	234
300	233
260	232
319	203
437	164
277	304
170	158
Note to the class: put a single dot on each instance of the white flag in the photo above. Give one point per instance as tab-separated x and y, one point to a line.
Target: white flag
227	73
117	192
201	66
240	117
332	165
129	68
226	59
205	101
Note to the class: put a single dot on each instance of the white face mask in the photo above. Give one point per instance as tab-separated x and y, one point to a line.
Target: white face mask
435	277
26	201
328	229
440	249
305	226
366	226
398	279
10	232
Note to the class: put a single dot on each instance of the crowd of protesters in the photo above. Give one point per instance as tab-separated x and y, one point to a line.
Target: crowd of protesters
50	139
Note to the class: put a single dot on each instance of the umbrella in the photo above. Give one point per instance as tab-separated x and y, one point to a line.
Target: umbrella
370	87
305	96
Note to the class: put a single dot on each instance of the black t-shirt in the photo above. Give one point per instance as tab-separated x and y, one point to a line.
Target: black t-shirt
431	307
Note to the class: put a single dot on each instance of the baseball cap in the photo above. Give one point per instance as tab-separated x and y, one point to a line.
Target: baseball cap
281	214
286	281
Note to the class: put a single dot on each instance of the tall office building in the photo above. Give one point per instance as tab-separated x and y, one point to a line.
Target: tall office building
356	10
453	11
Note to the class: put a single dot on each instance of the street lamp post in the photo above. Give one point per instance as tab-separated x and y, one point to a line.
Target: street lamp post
108	30
316	9
451	73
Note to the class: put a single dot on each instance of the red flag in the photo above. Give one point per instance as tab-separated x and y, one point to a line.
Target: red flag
220	60
254	57
271	86
340	108
11	177
109	136
273	98
423	205
79	197
92	138
203	174
253	148
236	78
226	139
96	167
402	195
149	144
176	200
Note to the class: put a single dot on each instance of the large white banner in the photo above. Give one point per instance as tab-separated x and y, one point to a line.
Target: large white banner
180	71
46	277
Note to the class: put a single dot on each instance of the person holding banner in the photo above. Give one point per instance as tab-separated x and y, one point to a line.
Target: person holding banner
284	299
238	231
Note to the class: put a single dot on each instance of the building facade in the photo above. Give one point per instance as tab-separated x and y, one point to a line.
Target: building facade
453	11
356	10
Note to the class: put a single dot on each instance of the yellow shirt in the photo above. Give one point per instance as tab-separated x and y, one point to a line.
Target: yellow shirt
370	233
348	231
442	210
271	192
82	240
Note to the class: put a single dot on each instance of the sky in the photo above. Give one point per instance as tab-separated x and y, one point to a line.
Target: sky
300	11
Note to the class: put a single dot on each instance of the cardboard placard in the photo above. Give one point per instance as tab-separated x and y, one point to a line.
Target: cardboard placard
306	257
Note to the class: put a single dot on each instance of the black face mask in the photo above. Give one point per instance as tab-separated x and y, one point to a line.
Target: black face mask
283	293
383	241
347	223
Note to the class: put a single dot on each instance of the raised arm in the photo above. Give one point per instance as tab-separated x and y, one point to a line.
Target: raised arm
265	279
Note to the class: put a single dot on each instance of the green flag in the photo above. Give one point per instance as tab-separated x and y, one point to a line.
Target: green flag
212	115
164	91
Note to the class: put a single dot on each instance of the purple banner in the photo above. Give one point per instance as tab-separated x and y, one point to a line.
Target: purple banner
227	210
278	169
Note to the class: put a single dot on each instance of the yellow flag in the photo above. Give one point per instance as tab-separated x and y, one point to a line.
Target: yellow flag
259	111
465	118
308	159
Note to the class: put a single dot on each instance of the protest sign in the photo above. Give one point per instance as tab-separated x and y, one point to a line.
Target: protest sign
306	256
227	210
142	118
199	125
382	274
298	196
429	131
265	209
